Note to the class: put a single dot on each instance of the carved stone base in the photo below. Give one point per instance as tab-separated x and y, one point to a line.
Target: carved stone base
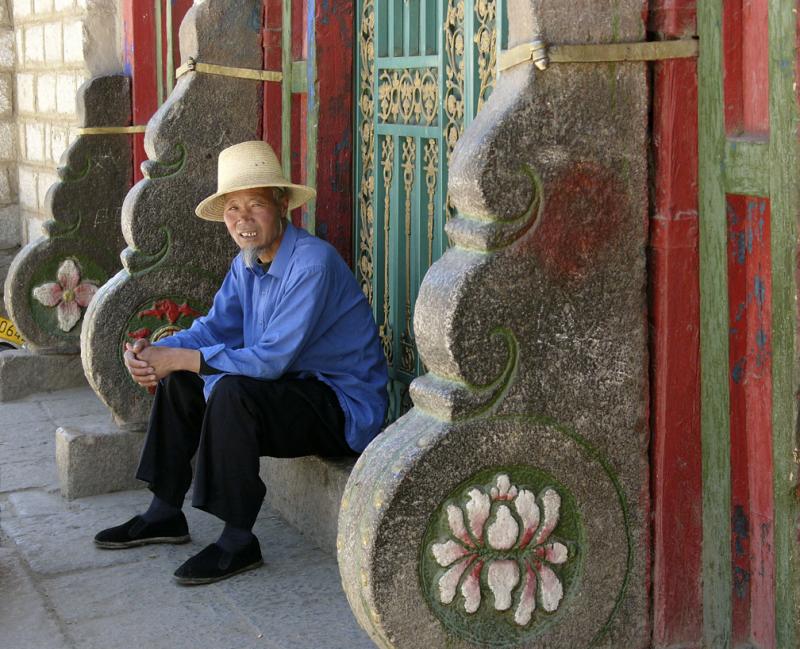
23	373
92	462
512	549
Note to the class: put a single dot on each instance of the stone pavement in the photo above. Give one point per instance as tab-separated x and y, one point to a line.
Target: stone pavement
58	591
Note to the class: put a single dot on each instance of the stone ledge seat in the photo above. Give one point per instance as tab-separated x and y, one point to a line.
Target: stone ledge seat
307	492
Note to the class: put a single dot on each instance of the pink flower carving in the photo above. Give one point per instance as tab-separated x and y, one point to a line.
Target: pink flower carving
68	294
507	532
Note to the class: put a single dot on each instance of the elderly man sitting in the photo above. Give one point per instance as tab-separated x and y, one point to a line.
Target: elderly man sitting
286	363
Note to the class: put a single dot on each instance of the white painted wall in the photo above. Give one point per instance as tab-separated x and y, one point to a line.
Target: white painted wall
59	45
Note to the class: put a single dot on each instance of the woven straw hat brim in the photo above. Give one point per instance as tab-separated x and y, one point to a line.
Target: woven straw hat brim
212	208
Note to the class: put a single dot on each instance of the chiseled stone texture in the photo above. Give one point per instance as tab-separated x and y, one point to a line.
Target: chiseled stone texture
307	492
533	329
171	253
98	461
84	225
23	373
24	615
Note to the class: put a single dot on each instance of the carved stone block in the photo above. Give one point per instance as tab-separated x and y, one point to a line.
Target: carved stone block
52	279
175	261
509	508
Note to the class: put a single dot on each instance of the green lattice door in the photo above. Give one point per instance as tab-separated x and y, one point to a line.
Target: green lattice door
423	70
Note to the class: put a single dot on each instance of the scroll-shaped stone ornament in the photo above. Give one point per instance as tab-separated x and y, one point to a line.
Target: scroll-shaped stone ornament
509	507
52	280
175	262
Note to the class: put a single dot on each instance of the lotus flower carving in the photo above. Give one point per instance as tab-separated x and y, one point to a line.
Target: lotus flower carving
502	538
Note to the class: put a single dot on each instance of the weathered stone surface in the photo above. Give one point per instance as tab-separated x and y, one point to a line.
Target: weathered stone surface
24	616
307	492
84	208
509	507
23	373
175	262
96	462
301	584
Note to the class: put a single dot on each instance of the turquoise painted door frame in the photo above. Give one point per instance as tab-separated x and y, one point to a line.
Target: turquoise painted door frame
423	70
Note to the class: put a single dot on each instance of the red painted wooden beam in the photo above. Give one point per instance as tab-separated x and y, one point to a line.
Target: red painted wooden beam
139	61
272	61
140	64
334	52
746	85
675	315
749	282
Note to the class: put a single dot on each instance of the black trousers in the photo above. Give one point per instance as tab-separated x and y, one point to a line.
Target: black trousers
243	419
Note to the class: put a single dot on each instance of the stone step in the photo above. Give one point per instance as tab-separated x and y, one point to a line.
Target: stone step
307	492
23	373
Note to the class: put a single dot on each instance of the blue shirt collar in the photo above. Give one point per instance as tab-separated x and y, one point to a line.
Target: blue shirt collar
285	250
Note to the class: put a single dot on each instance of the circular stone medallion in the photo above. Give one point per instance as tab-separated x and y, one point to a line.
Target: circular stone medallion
500	554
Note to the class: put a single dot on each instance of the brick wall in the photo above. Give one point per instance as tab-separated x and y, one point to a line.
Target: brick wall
59	45
9	212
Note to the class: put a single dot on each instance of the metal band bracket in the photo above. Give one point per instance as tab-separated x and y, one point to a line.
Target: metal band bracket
240	73
541	54
111	130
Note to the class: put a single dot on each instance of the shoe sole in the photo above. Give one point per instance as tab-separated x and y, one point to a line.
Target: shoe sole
123	545
199	581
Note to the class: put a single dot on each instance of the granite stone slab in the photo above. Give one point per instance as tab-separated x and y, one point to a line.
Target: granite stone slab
26	617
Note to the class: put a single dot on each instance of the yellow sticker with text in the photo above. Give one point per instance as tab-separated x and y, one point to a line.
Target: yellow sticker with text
9	333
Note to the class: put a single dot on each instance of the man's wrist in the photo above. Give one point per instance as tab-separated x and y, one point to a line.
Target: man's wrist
189	360
183	359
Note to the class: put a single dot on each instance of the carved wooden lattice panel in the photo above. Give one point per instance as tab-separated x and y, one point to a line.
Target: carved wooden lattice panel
423	70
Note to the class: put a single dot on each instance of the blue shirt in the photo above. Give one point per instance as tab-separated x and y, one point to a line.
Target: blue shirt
306	316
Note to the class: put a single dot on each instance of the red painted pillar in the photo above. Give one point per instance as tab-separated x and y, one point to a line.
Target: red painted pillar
746	87
675	316
273	21
321	118
334	51
139	61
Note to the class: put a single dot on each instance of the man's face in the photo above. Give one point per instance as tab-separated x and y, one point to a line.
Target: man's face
253	219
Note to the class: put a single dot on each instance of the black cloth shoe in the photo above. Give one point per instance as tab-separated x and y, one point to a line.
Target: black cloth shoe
213	564
138	531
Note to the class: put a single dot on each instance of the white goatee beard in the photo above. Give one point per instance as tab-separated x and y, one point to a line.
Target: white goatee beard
250	255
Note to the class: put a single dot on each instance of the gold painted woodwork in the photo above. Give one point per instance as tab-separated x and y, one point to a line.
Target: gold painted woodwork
387	163
409	97
366	245
407	361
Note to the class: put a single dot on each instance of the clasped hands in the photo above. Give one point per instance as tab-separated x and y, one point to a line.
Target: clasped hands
147	364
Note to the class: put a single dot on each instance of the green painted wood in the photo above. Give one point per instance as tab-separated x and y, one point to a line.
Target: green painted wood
159	47
715	399
403	62
785	207
408	129
747	167
286	88
312	127
170	80
299	76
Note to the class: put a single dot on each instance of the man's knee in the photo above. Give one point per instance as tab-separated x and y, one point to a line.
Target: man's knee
179	383
227	389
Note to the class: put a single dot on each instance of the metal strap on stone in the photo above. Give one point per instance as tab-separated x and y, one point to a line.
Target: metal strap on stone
111	130
225	71
542	54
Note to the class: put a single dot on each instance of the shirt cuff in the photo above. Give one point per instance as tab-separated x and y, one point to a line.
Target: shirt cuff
206	369
208	353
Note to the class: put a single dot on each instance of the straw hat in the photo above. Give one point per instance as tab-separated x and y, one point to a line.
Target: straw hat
249	165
